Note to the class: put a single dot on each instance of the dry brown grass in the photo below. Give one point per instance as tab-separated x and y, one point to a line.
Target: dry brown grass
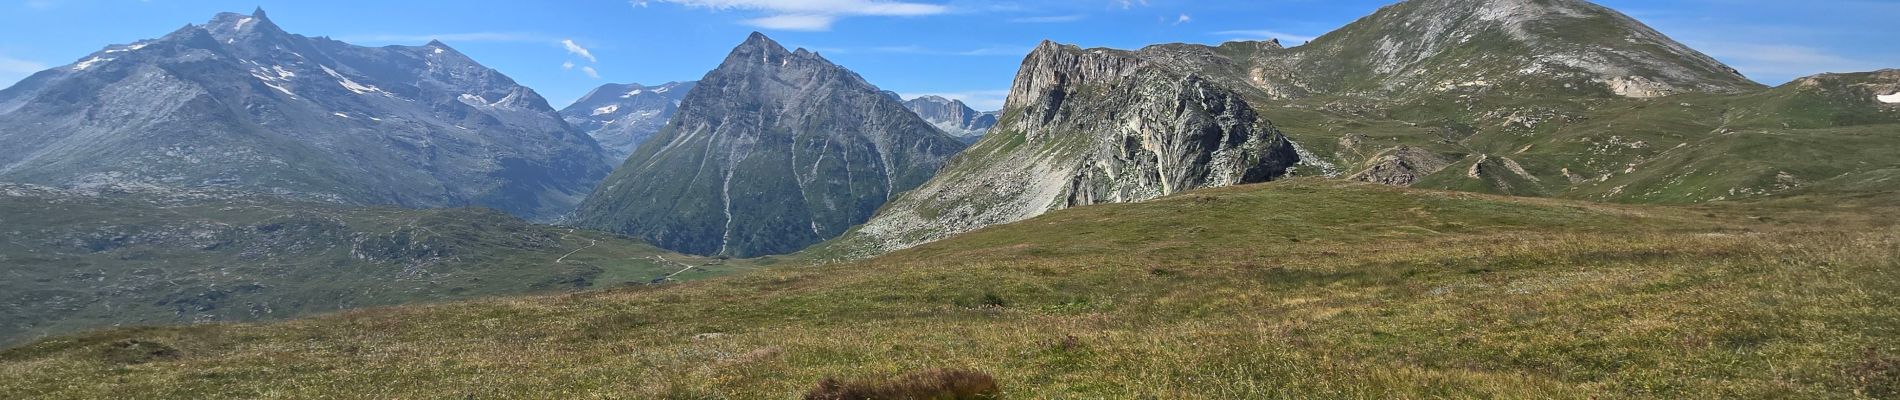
932	384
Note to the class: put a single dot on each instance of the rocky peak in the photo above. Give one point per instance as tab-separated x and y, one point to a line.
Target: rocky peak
1053	71
233	27
773	151
622	116
1087	127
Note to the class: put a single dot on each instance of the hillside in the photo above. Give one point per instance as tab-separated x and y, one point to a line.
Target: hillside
1297	289
85	259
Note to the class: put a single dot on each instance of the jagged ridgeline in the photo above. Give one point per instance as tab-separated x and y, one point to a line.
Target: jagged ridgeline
1081	127
773	151
237	103
621	117
953	117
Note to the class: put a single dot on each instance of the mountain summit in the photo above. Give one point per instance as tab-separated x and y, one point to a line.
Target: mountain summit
773	151
1419	47
621	117
237	103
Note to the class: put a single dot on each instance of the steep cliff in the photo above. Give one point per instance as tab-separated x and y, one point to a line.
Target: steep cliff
1086	127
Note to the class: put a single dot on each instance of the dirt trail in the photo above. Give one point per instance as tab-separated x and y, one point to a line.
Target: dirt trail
569	233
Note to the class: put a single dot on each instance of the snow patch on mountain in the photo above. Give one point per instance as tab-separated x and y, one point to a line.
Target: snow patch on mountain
83	65
1889	99
609	109
358	88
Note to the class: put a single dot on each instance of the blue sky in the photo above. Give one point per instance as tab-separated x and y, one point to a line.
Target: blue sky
966	49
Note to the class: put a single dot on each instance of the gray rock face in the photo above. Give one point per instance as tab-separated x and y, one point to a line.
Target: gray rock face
1086	127
238	103
621	117
772	152
1401	166
953	117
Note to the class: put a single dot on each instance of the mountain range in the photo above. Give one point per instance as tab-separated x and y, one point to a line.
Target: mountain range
952	116
1445	198
238	103
621	117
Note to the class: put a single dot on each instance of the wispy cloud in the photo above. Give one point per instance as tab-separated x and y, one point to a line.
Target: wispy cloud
1775	63
809	15
14	69
467	37
1263	34
921	50
591	73
1126	4
794	22
981	100
576	49
1184	18
1051	19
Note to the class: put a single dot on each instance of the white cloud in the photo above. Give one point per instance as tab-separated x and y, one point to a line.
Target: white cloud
13	70
591	73
1183	19
1048	19
809	15
567	65
1126	4
810	23
1265	34
576	49
449	37
981	100
921	50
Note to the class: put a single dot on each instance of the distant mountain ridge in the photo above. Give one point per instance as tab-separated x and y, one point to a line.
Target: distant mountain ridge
952	116
771	152
621	116
238	103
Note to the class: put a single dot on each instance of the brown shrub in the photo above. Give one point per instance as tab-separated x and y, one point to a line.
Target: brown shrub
932	384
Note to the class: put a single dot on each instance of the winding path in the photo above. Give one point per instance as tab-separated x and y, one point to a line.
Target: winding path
570	233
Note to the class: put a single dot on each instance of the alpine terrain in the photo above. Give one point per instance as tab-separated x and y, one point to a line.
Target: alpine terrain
1081	127
953	117
237	103
621	117
1517	199
773	151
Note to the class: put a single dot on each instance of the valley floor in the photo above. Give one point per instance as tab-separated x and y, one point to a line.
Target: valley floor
1299	289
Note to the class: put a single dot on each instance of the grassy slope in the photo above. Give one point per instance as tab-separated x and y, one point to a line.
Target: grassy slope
73	263
1303	288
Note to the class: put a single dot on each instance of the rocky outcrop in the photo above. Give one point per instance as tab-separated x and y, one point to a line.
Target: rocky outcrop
1086	127
621	117
1401	166
773	151
237	103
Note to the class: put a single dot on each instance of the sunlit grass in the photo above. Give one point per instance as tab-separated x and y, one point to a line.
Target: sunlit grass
1292	290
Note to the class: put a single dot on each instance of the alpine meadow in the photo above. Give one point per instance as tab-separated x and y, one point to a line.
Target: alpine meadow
1527	199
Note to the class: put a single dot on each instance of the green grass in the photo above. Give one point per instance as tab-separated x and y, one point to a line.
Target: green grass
74	263
1299	289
